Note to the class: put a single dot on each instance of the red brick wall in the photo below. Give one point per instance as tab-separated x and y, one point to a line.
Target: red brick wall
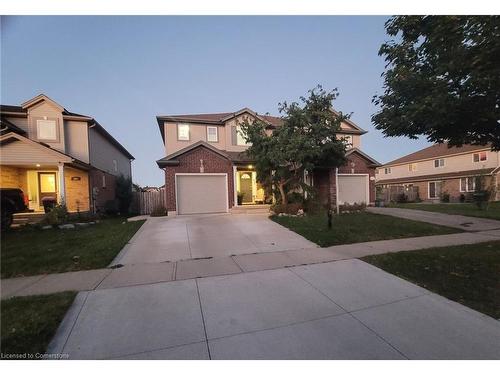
190	163
104	194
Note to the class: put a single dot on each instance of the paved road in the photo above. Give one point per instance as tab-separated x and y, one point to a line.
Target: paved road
339	310
467	223
186	237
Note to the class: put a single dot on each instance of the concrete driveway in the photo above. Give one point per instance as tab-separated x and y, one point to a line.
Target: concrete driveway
200	236
338	310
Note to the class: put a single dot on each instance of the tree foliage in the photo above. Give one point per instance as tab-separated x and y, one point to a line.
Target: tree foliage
305	140
442	79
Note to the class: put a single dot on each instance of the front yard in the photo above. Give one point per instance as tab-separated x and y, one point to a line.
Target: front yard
29	323
468	274
31	251
466	209
358	227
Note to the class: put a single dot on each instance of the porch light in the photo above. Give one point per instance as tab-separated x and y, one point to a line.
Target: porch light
250	166
38	165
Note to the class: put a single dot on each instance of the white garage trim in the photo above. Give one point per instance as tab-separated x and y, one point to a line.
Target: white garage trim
201	174
367	184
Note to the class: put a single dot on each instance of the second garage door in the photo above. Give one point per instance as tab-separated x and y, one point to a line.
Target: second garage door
201	193
353	189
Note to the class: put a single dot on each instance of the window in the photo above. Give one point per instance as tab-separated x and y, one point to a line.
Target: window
387	170
115	165
46	130
103	180
412	167
183	132
240	139
479	156
434	189
212	135
467	184
439	163
347	140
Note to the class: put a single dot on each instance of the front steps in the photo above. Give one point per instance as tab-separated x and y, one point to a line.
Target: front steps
251	209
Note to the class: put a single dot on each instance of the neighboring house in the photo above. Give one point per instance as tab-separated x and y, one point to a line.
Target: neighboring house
206	166
48	151
440	169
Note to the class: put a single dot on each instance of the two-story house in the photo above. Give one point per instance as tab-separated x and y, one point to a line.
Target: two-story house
206	166
440	169
47	151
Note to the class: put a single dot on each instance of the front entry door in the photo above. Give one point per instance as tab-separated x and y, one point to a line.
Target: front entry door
246	187
47	186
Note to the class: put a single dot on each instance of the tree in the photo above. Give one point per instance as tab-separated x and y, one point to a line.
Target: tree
442	79
124	193
305	140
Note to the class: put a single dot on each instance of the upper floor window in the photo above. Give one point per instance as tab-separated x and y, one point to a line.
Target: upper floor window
183	132
46	130
479	156
347	140
387	170
240	139
412	167
438	163
212	134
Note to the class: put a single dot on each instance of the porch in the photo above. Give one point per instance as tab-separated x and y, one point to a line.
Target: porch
248	190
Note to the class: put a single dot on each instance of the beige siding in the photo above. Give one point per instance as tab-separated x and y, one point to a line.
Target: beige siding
102	154
77	140
44	110
197	132
20	122
22	153
456	163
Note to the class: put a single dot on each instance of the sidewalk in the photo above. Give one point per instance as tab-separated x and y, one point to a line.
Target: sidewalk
150	273
467	223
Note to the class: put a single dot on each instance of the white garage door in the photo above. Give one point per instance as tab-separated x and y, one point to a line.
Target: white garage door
201	193
353	189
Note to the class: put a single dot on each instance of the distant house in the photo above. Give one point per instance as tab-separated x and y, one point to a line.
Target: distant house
206	167
48	151
441	169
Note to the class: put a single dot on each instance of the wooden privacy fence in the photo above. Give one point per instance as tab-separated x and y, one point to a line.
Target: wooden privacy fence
394	193
145	202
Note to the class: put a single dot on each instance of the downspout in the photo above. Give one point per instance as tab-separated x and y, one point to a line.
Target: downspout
337	190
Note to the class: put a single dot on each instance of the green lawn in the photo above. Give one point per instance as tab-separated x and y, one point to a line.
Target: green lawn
468	274
466	209
29	323
358	227
31	251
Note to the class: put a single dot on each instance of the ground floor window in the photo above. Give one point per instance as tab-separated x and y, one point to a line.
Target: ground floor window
467	184
434	189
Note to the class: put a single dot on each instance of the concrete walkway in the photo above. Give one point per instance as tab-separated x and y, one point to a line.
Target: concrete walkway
338	310
467	223
149	273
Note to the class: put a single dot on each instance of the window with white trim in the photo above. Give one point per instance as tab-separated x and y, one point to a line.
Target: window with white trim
103	180
240	139
467	184
347	140
46	130
439	163
412	167
115	165
434	189
479	156
387	170
183	132
212	134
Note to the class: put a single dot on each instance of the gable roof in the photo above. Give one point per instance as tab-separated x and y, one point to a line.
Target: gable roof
8	126
361	153
22	110
435	151
171	159
222	117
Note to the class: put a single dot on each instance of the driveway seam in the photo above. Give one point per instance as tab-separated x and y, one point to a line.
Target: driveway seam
155	350
203	319
189	242
74	323
349	313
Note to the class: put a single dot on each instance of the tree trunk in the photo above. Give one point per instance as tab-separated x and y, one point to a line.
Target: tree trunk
281	188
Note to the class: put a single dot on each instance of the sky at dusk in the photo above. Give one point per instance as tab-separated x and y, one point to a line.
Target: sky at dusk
124	71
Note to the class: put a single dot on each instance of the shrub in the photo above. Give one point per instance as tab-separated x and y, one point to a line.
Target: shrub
289	209
240	198
313	206
402	198
111	207
355	207
462	198
124	193
159	211
445	197
295	197
56	216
